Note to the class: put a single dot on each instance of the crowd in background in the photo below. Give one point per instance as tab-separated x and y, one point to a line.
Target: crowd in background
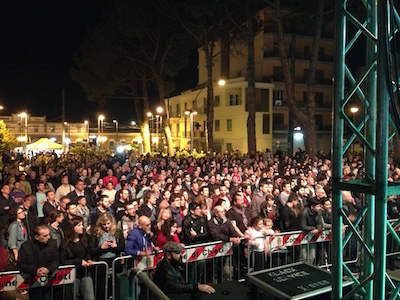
97	206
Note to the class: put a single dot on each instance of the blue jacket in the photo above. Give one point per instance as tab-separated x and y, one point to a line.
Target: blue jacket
136	241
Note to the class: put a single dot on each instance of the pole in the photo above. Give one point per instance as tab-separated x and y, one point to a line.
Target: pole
98	133
157	121
191	132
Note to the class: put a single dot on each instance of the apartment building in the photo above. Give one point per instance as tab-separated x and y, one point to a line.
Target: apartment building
272	115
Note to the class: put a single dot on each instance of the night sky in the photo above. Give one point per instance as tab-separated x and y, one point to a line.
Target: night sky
38	39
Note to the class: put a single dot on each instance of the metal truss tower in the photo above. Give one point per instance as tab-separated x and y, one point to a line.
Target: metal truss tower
367	29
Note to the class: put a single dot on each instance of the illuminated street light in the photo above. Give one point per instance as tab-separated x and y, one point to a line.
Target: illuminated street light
100	120
86	122
221	82
1	107
191	113
133	123
24	115
116	128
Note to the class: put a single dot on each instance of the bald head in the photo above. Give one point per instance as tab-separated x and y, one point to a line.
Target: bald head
144	224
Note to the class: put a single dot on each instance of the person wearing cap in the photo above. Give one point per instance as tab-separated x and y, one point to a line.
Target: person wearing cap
168	276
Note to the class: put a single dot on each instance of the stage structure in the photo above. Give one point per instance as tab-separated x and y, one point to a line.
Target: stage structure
369	28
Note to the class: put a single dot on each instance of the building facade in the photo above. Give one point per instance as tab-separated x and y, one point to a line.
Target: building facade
272	114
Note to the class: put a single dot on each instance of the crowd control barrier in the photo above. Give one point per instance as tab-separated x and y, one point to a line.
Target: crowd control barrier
212	262
59	285
289	247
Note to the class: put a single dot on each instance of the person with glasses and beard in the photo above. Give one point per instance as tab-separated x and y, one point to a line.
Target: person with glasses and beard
168	276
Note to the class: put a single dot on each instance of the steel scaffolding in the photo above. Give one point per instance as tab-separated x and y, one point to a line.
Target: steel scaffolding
373	24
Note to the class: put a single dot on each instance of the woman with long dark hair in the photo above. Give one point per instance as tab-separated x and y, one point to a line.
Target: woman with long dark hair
168	233
74	250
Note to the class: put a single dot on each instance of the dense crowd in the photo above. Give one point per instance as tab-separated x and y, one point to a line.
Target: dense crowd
96	206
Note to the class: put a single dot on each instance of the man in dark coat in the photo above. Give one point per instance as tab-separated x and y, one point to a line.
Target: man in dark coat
169	278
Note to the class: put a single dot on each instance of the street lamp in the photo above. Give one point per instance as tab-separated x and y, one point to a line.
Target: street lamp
354	110
158	123
24	115
133	123
1	107
149	116
191	113
116	128
100	119
86	122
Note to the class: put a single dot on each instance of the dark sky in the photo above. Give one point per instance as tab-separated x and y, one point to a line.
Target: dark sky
38	39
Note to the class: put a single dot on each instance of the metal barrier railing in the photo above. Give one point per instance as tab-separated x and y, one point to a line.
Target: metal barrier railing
204	263
289	247
59	285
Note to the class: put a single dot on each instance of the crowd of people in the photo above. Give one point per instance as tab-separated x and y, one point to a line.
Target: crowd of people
77	209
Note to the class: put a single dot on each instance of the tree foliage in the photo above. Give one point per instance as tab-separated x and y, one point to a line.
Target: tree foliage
7	139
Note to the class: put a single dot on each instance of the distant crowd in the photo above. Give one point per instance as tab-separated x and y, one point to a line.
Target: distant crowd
96	206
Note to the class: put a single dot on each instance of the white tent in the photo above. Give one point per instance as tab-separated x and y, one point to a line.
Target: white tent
43	144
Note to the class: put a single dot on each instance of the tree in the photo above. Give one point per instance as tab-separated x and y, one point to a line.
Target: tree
206	27
248	11
300	15
7	139
142	48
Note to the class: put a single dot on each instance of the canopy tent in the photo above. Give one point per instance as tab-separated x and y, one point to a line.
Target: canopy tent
43	144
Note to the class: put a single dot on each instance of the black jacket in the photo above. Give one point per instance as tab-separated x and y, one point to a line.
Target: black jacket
309	220
221	230
170	280
34	255
199	225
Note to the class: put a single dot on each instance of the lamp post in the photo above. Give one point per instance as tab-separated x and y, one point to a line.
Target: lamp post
116	128
100	120
25	138
354	110
86	122
191	113
149	116
158	124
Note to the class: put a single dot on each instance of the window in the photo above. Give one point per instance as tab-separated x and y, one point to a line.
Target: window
229	147
178	110
278	95
234	100
277	73
319	99
185	106
307	51
204	105
178	129
229	125
35	129
216	101
194	104
278	122
52	129
266	119
216	125
319	122
319	76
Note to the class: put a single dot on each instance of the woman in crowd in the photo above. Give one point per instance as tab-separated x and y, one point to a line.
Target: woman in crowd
106	241
168	233
270	210
54	220
16	230
74	250
165	214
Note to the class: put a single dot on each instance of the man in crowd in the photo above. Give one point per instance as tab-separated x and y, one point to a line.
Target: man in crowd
110	177
50	204
149	208
5	202
31	220
138	242
310	221
102	206
39	257
71	213
119	205
64	188
238	214
130	219
168	276
78	191
258	199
